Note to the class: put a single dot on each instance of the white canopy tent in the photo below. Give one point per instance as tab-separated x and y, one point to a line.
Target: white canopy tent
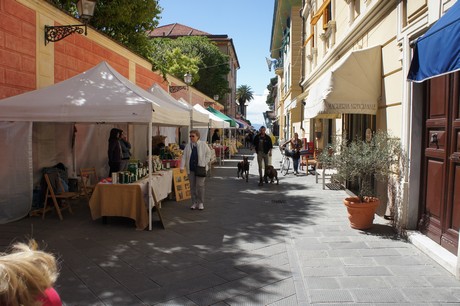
168	102
198	119
99	96
194	118
215	121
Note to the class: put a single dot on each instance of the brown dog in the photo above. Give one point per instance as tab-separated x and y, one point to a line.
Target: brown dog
243	168
272	174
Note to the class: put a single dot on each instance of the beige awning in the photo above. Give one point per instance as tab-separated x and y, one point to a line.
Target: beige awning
352	86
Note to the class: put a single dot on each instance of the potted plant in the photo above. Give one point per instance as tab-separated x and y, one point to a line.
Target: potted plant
376	158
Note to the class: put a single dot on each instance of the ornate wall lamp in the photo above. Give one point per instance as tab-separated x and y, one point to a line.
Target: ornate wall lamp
85	11
187	80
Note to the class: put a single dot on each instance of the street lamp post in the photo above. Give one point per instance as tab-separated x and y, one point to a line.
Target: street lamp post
188	81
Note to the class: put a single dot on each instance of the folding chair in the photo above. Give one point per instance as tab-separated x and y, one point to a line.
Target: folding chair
62	196
89	180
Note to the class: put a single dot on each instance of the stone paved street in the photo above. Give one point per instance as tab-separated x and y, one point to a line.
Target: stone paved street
286	244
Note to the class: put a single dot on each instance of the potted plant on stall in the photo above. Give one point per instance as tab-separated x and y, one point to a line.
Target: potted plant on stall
376	158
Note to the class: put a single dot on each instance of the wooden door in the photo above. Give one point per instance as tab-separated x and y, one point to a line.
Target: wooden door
440	218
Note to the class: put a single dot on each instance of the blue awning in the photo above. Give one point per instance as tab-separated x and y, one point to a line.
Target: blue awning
437	52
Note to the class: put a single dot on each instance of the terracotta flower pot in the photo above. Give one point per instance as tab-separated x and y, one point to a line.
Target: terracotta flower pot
361	214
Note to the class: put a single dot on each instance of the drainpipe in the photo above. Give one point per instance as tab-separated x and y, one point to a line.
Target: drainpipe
302	65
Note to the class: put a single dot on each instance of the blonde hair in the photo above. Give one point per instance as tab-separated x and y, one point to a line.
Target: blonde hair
25	273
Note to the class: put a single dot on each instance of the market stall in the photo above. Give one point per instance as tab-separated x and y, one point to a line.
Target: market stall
41	124
194	118
215	122
230	141
197	118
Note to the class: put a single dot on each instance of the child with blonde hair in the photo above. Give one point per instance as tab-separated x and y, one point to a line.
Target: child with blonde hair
27	277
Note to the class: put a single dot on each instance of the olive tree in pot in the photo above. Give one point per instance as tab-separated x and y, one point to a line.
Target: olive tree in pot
364	161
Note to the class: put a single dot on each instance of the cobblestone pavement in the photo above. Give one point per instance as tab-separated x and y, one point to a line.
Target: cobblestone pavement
286	244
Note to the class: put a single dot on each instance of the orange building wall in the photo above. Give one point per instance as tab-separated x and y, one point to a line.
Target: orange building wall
76	54
17	49
72	55
145	78
19	54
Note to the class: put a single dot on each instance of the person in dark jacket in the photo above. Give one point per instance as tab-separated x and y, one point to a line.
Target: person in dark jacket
215	136
263	146
125	151
114	151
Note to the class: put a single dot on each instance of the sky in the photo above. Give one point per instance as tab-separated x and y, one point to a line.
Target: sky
248	23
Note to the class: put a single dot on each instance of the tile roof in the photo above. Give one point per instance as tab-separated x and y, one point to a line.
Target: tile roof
175	30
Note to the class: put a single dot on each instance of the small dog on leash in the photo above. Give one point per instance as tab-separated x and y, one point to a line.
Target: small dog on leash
243	168
272	174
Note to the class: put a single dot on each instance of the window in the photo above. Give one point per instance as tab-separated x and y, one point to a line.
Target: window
325	11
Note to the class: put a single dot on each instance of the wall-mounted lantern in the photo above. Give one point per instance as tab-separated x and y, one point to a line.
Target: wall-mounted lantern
85	12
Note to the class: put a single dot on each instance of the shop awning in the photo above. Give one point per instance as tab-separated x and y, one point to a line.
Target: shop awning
222	116
352	86
437	52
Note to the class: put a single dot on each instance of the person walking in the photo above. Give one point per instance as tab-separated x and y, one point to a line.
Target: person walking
196	154
263	146
249	139
125	151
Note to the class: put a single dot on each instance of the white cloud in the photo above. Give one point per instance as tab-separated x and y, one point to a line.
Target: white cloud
256	108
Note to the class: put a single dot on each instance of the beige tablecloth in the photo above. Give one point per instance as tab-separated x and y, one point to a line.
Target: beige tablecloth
129	200
162	184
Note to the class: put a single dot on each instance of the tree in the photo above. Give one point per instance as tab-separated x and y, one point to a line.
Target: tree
129	21
272	92
174	62
244	94
126	21
197	55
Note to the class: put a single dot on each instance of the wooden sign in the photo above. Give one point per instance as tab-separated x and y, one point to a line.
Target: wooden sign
181	185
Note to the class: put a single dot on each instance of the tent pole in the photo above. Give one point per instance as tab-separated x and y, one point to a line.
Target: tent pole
222	151
74	150
150	127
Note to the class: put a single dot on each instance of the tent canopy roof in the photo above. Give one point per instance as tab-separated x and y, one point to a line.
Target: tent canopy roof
352	86
99	94
198	118
222	116
215	121
242	124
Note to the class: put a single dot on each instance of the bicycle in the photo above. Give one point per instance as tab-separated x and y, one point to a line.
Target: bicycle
285	162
